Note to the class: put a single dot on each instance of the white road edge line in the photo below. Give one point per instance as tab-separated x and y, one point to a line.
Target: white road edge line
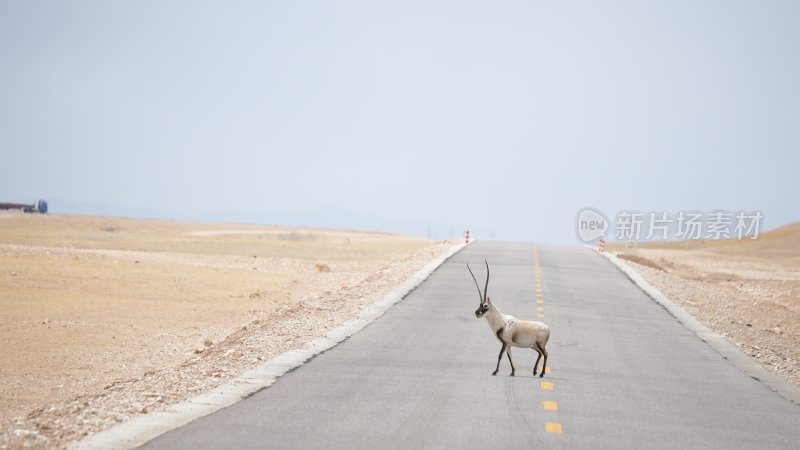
142	429
726	349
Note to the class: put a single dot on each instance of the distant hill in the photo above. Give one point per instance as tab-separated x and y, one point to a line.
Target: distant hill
783	242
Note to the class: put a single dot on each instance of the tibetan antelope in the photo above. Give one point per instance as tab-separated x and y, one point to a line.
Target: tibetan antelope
511	331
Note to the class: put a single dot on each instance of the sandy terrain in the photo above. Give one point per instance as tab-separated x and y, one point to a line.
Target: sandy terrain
746	291
102	319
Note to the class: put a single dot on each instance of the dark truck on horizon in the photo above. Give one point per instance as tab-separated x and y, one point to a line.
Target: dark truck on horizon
38	207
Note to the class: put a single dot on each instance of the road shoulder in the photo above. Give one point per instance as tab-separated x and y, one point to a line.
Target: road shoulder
719	344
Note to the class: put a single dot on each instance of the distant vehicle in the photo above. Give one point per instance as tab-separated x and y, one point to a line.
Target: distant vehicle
38	207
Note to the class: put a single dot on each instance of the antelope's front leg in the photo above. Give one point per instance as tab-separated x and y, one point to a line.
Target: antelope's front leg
499	357
508	352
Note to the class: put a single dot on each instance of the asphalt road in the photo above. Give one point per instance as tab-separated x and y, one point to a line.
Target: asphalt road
625	373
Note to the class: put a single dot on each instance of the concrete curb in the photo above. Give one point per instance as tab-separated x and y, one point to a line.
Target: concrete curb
718	343
142	429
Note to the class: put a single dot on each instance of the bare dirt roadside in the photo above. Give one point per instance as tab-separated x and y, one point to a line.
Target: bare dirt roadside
107	319
746	291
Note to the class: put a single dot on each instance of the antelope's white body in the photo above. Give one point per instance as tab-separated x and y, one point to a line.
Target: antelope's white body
516	332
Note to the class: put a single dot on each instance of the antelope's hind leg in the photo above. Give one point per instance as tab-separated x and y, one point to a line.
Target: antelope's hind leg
542	351
536	364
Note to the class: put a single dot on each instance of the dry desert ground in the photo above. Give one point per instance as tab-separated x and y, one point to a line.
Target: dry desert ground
747	291
102	319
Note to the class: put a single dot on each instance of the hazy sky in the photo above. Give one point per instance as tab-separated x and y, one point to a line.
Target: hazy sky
506	117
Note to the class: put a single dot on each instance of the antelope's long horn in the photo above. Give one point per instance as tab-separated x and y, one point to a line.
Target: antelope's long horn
487	280
476	283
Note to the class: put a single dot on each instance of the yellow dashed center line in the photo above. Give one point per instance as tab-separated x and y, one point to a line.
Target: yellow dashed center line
550	405
553	427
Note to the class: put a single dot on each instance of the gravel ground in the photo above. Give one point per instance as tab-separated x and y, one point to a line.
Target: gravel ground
293	324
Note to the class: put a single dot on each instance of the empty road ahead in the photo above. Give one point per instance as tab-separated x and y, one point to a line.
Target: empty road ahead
625	373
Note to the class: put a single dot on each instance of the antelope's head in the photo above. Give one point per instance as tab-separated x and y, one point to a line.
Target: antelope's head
485	303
